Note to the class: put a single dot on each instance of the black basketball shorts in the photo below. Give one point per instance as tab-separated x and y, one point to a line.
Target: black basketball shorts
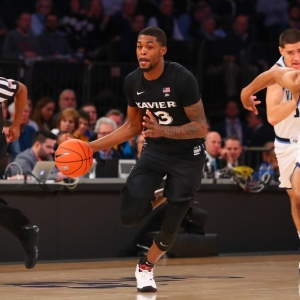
183	177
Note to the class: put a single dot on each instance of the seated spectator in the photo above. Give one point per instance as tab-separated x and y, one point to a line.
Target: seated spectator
208	30
97	36
38	20
268	163
20	43
166	20
274	15
116	115
105	126
10	10
200	12
112	7
90	108
121	21
83	125
236	45
26	120
61	137
294	16
232	124
74	24
42	149
67	98
26	133
224	26
126	148
269	157
232	151
43	113
53	44
67	121
261	131
214	161
25	116
123	49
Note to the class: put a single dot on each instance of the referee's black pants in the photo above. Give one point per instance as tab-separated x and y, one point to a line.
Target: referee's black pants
11	219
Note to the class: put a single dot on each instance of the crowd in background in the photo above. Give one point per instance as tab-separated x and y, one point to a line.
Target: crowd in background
82	29
41	122
100	30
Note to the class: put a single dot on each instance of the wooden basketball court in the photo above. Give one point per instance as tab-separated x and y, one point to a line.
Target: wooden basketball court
239	277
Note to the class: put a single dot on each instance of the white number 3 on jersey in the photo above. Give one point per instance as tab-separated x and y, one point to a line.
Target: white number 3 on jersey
163	118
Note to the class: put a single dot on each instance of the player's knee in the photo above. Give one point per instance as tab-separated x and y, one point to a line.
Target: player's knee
133	208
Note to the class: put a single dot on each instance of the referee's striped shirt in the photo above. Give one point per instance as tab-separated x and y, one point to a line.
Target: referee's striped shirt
7	89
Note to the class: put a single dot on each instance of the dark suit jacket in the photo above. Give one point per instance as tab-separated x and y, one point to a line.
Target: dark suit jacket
221	129
221	163
261	136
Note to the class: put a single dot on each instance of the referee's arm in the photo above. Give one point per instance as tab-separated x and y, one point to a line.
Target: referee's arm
20	100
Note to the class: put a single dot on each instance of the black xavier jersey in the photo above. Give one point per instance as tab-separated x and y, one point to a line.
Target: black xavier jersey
166	98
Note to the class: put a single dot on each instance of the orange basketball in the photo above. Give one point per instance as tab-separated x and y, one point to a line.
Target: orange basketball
73	158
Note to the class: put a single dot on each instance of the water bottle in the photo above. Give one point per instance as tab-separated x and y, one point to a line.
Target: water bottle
262	170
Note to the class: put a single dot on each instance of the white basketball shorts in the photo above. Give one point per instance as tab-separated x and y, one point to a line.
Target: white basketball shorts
287	156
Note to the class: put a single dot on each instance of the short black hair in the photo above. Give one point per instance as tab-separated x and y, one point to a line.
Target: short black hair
233	137
289	36
84	115
156	32
88	104
42	135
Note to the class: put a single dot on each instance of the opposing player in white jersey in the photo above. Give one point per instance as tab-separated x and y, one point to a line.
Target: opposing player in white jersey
282	101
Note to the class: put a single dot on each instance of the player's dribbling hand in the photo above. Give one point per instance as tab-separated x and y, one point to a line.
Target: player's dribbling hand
154	130
249	101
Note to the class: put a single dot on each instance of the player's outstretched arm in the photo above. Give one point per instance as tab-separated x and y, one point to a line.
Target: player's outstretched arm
131	127
263	80
196	128
277	110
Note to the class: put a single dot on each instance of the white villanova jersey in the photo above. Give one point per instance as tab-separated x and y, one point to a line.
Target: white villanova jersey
288	128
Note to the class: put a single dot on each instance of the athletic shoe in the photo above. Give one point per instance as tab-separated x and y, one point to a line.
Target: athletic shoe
30	246
146	296
144	278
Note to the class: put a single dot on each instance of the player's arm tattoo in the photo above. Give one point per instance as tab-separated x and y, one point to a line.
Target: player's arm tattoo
197	128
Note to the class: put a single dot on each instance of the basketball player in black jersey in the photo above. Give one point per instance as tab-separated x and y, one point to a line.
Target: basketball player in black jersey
165	105
13	219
